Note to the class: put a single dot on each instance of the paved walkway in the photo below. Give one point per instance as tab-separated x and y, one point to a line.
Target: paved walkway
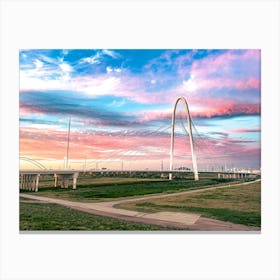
171	219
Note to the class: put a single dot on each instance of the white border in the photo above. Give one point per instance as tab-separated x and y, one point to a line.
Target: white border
140	24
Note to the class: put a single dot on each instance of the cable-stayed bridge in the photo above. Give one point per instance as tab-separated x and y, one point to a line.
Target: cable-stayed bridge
197	143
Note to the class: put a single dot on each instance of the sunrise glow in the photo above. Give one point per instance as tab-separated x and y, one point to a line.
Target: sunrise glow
120	104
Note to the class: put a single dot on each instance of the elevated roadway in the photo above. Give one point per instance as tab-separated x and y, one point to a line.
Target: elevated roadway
29	179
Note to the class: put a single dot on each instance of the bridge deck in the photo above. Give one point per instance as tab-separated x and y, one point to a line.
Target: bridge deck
63	171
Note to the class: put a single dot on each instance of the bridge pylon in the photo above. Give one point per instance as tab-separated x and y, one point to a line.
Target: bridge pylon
194	162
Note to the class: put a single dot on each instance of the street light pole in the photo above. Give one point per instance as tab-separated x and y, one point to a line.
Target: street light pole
68	140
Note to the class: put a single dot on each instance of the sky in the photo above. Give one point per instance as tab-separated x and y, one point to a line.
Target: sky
120	103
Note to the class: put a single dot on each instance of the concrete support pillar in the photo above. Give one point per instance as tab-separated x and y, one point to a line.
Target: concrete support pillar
37	182
75	177
61	182
30	182
65	182
219	175
55	180
170	176
20	181
33	183
23	182
26	181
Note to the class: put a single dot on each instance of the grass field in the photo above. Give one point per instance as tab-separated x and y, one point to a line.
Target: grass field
46	216
106	188
239	204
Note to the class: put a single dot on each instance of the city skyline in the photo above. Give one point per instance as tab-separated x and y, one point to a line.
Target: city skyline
120	104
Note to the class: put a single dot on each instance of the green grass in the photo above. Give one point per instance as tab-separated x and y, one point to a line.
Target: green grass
36	216
239	204
98	189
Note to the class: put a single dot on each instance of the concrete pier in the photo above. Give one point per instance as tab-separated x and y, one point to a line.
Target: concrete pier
30	180
239	175
65	180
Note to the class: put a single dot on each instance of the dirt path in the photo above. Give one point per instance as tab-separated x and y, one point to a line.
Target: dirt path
180	220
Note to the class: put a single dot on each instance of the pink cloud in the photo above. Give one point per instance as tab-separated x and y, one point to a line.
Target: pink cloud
217	83
207	108
244	130
27	109
228	110
146	116
228	70
227	62
51	144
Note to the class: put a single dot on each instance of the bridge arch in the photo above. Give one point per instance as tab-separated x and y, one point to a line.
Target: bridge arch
184	101
35	162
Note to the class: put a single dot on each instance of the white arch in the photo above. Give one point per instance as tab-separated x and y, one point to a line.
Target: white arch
195	171
35	162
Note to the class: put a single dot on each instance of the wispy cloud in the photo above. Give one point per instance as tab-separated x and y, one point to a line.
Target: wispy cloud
114	95
111	53
95	59
246	130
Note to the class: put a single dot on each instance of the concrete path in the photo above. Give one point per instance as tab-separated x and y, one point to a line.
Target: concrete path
170	219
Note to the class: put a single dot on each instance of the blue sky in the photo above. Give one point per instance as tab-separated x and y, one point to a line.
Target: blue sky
120	104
